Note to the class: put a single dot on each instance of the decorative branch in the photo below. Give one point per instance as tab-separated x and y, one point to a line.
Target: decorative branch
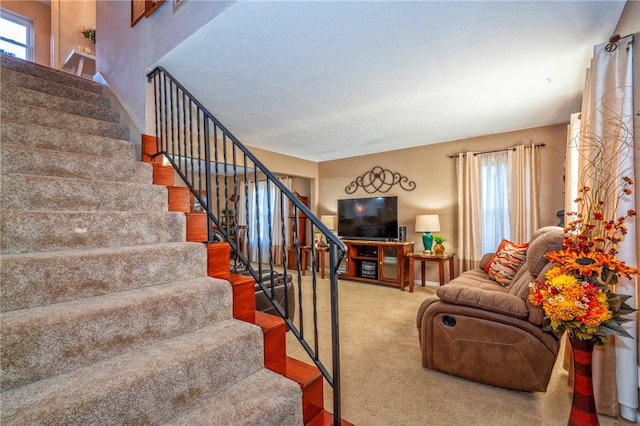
380	180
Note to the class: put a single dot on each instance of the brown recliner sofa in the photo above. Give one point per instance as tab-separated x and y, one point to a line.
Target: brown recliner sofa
477	329
281	285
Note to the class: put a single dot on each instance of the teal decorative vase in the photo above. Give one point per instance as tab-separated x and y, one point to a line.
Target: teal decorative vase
427	240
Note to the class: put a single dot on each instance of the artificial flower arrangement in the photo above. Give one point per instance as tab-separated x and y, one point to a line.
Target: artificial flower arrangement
576	295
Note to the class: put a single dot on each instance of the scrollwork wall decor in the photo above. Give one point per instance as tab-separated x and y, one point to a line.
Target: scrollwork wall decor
380	180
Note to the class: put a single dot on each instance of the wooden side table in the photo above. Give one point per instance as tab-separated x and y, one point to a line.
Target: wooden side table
80	63
321	252
425	257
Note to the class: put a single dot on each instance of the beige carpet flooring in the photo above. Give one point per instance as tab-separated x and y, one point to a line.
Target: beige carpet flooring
384	383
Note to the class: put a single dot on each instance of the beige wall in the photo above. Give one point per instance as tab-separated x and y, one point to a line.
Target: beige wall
435	176
305	173
73	17
40	13
125	53
629	20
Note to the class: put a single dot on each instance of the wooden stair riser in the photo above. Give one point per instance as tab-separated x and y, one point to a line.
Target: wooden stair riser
218	254
162	175
179	199
275	341
244	297
197	231
311	381
149	148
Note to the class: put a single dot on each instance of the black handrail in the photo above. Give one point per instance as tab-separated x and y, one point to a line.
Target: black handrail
209	158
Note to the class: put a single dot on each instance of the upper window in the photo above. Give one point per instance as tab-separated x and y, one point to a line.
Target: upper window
494	203
16	35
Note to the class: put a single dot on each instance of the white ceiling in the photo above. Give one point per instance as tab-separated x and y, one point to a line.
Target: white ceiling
326	80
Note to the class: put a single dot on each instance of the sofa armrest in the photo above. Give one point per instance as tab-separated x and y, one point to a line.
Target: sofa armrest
423	307
494	301
485	260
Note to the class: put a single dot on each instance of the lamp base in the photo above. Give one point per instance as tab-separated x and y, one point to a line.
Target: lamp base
427	240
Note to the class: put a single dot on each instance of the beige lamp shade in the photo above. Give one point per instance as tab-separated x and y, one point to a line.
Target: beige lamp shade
427	223
330	221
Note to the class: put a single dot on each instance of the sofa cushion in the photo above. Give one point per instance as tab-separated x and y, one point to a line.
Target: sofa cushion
520	284
477	278
494	301
549	241
536	261
506	262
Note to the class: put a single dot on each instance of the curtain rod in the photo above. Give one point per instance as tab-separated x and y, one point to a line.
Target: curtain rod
540	145
616	37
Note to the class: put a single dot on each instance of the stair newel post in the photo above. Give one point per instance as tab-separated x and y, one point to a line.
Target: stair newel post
335	335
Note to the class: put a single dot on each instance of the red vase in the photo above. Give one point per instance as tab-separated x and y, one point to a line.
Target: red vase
583	408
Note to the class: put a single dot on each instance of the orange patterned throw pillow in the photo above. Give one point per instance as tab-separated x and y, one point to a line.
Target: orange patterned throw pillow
505	263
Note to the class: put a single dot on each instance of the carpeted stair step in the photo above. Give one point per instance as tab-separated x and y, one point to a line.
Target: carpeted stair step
49	74
108	316
29	114
43	162
19	94
34	83
264	398
29	231
33	192
37	279
142	386
45	341
12	132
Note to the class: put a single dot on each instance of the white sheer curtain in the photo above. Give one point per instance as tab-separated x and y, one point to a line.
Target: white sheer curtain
494	167
264	231
571	164
524	192
608	103
498	195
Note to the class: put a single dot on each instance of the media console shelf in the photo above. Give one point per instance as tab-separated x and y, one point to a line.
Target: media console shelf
380	262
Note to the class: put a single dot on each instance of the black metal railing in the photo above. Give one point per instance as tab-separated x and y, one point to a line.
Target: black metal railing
252	209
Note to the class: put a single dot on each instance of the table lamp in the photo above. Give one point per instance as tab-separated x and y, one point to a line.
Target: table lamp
427	223
330	221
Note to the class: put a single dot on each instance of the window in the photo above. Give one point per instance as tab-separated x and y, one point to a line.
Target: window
494	203
16	35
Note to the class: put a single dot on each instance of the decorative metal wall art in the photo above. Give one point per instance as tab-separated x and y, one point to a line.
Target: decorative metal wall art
380	180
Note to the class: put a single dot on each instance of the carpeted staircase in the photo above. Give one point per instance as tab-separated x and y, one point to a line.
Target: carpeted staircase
108	314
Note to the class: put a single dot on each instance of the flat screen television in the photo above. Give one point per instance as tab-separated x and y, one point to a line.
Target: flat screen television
368	218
